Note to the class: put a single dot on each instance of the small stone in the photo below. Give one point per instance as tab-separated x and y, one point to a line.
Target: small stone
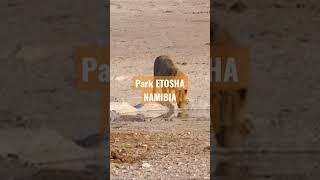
207	148
124	171
146	165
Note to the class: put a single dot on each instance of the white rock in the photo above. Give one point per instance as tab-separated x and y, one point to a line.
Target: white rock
123	108
147	110
146	165
153	110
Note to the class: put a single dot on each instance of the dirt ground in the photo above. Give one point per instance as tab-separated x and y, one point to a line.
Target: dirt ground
160	149
37	49
142	30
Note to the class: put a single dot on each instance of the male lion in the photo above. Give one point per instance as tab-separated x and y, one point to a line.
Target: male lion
163	66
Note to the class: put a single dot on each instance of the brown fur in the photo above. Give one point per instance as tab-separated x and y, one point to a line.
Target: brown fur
163	66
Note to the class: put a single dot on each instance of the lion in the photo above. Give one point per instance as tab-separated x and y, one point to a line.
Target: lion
163	66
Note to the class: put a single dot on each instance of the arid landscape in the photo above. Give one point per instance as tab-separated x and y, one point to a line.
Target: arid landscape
144	30
160	149
49	129
144	147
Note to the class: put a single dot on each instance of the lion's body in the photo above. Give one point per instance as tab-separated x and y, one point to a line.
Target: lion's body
163	66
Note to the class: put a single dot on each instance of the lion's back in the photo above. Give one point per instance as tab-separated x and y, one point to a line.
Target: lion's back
163	66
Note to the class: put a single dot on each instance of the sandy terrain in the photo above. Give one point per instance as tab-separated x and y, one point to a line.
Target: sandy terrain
143	30
155	148
159	149
37	43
